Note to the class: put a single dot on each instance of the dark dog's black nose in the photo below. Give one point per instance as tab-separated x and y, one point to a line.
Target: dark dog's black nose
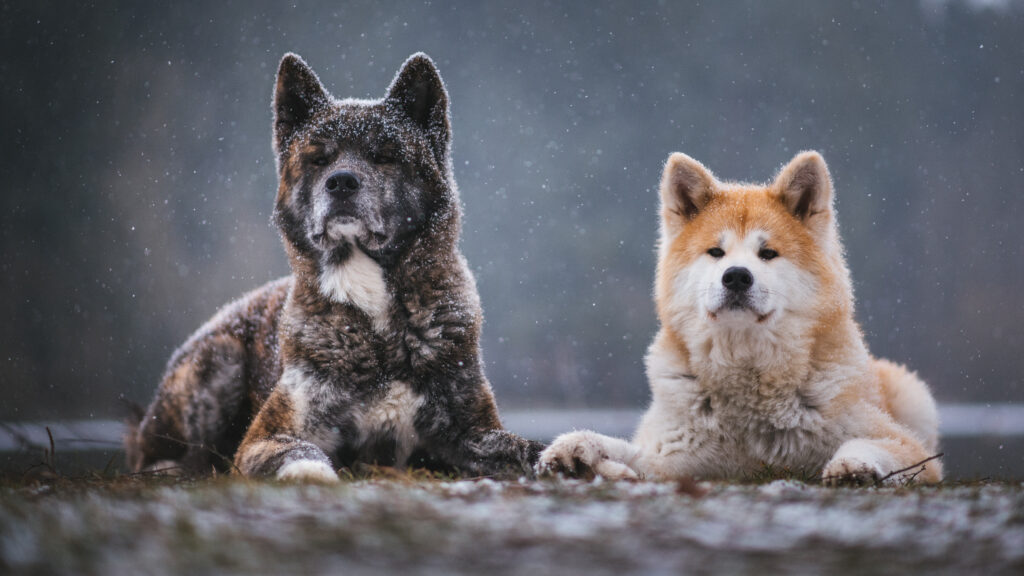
342	184
737	279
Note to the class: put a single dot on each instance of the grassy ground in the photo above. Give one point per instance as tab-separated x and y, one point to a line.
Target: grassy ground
419	525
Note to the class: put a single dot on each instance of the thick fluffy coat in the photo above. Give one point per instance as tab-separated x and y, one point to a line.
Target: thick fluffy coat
759	363
369	352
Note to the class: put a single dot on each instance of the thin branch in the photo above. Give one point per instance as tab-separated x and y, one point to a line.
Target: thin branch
909	468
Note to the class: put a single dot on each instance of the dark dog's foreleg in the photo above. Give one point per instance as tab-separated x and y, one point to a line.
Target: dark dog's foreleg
271	447
465	432
497	453
285	458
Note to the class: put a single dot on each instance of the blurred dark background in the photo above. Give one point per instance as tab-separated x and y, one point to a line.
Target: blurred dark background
138	176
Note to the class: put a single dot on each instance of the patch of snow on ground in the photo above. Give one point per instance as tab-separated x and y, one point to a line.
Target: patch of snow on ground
470	527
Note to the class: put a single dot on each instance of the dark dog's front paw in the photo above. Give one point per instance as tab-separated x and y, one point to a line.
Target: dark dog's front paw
308	472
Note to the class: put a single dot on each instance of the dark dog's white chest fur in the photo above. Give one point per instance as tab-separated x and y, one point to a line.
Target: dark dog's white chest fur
359	281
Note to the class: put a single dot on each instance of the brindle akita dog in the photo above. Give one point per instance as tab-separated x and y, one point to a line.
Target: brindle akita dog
369	352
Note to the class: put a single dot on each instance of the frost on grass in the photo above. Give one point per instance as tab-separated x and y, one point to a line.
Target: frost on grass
428	527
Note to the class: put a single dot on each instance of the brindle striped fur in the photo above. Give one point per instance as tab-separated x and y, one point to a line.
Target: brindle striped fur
294	373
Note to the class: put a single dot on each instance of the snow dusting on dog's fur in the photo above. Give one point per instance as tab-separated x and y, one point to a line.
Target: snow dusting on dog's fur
369	353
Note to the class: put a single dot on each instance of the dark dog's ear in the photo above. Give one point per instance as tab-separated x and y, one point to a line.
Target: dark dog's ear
418	92
805	186
686	187
297	98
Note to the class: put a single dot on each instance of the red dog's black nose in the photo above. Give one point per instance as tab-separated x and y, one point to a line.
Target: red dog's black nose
737	279
342	184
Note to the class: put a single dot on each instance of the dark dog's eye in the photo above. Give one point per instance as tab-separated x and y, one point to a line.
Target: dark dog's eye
386	153
320	153
716	252
384	157
767	254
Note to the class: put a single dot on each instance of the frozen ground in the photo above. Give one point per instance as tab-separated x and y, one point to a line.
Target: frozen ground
485	527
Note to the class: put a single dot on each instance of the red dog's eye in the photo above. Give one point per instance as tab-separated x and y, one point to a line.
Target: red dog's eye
716	252
767	254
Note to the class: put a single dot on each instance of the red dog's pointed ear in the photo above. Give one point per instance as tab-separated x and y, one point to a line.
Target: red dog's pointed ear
805	186
686	187
298	96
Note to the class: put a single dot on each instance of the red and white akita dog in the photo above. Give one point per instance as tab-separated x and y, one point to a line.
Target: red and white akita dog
759	361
